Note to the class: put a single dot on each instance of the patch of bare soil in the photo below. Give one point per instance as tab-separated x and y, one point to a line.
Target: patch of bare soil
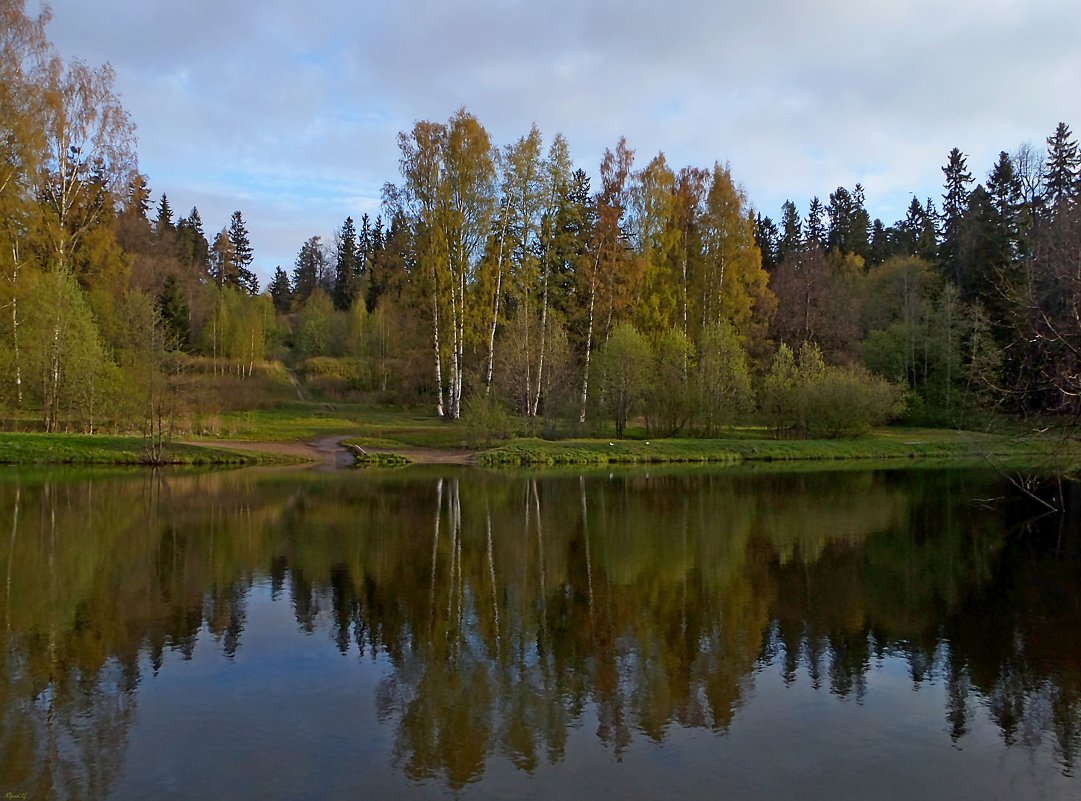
329	453
326	452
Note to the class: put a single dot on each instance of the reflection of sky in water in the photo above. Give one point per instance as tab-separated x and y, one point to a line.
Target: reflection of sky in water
290	717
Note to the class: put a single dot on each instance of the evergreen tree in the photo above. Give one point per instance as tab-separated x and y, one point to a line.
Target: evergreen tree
954	204
310	265
346	266
1005	193
814	230
165	217
927	240
881	245
365	244
766	236
983	250
281	293
242	255
1061	173
192	247
848	222
174	312
791	240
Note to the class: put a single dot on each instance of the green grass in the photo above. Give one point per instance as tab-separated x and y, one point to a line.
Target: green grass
27	449
308	420
379	459
750	445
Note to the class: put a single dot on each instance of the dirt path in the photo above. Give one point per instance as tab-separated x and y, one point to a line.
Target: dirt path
326	452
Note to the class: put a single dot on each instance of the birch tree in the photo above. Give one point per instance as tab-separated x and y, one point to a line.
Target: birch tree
89	154
25	57
448	200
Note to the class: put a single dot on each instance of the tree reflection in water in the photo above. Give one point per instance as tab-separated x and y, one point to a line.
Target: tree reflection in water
514	610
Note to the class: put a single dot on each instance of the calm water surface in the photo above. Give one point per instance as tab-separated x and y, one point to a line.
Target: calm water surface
422	634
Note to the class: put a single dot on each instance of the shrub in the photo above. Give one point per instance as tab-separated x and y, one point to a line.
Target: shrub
850	401
485	421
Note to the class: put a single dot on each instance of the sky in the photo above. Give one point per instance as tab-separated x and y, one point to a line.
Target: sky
290	111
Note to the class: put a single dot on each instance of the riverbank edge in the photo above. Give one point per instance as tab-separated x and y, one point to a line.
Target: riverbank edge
888	445
95	449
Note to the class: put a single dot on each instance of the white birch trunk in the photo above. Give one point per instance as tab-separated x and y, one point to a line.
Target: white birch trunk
495	307
439	405
589	343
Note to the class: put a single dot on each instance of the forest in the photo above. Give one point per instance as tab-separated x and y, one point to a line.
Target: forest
501	283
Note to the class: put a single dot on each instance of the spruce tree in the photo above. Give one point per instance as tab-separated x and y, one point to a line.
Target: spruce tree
954	205
310	263
242	255
815	232
175	313
281	293
765	236
1061	173
791	232
346	272
165	216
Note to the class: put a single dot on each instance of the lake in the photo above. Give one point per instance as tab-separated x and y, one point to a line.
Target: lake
456	633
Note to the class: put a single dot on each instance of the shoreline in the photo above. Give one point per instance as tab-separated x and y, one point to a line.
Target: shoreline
345	450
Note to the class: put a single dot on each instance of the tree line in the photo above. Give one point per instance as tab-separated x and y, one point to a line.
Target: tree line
499	277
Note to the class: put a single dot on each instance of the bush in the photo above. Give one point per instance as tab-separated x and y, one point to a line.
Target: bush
850	401
485	421
806	396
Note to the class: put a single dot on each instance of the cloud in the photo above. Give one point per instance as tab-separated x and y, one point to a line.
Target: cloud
290	111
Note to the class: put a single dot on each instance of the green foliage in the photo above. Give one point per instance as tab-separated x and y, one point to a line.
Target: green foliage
67	369
723	379
842	402
670	402
174	312
806	396
316	326
623	371
485	421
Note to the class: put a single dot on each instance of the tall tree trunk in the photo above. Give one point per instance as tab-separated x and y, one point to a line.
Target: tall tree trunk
439	406
543	339
495	307
589	342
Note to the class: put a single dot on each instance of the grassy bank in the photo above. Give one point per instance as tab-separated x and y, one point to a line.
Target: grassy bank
44	449
751	446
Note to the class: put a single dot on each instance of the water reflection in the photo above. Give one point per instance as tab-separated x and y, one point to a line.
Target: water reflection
513	611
